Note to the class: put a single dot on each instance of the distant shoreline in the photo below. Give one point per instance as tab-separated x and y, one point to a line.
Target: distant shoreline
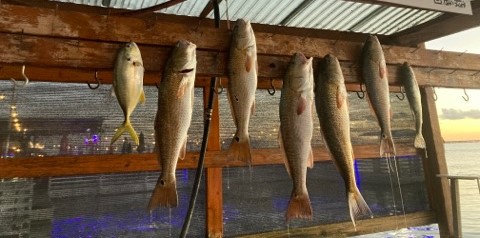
462	141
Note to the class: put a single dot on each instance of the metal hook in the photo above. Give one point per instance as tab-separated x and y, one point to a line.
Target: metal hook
435	97
16	83
467	97
96	79
272	87
363	92
414	50
438	52
463	53
221	87
401	93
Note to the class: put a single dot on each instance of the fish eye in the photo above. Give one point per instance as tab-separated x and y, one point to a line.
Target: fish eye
128	59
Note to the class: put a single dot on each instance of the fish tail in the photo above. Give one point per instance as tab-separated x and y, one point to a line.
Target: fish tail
357	205
299	207
164	195
419	141
387	147
126	126
240	149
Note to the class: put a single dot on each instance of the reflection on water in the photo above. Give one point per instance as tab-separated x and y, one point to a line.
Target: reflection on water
114	205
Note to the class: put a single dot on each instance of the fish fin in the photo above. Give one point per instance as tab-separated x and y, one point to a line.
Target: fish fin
310	159
282	148
387	147
183	150
252	110
341	97
357	206
419	141
181	89
249	64
299	207
126	126
142	97
302	105
240	149
382	68
164	195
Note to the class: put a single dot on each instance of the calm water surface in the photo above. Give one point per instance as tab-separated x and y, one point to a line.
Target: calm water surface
462	159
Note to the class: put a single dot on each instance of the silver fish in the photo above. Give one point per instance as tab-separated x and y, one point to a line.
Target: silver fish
128	86
414	99
174	114
296	129
375	77
331	101
242	84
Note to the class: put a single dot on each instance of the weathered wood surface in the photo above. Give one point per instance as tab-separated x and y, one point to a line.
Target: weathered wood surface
69	39
344	229
438	189
214	176
123	163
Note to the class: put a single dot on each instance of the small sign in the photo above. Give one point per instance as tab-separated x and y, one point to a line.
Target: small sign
455	6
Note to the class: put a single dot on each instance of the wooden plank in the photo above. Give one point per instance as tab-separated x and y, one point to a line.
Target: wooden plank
449	23
344	229
438	189
214	176
74	26
125	163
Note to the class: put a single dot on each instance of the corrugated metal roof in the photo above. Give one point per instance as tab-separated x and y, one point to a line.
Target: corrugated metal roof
336	15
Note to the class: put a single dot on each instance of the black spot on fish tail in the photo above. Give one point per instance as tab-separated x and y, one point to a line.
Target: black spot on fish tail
236	98
162	182
237	138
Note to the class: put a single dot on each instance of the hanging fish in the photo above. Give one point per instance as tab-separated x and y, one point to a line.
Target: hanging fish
414	99
375	77
296	129
174	114
242	84
128	86
331	100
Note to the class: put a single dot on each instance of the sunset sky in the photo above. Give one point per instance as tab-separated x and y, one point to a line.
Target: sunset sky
459	120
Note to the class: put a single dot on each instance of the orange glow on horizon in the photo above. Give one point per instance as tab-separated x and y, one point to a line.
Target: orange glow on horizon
460	130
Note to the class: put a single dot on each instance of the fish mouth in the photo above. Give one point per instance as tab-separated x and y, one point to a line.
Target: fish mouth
186	71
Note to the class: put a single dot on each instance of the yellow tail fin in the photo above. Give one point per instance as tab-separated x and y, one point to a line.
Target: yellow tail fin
299	207
164	195
240	150
126	126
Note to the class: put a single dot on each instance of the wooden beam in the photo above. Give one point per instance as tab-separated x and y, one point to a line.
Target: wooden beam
438	189
70	28
344	229
125	163
447	24
214	176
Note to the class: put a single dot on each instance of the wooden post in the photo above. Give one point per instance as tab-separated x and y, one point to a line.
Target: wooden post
213	177
434	164
457	215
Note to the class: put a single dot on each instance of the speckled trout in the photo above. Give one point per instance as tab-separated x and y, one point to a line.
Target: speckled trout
242	84
296	129
331	101
174	114
410	84
375	77
128	86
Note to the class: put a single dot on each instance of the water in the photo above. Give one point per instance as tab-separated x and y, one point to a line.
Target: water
462	159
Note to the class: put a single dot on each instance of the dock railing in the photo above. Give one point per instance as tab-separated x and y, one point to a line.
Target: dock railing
454	186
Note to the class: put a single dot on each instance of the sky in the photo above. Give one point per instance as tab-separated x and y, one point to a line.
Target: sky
459	120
